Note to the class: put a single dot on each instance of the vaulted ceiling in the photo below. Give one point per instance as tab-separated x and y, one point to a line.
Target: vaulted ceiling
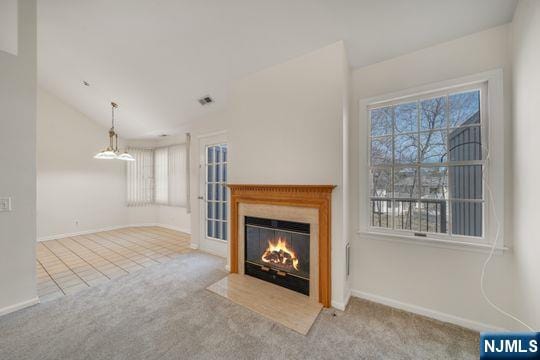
157	57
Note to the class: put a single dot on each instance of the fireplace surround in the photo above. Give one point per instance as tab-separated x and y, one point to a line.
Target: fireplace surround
301	206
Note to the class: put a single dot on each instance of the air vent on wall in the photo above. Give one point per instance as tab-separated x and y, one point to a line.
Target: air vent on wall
205	100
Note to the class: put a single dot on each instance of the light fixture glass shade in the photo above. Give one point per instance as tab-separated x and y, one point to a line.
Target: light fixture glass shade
126	157
107	154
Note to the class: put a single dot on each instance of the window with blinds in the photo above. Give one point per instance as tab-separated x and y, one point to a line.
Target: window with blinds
140	177
158	176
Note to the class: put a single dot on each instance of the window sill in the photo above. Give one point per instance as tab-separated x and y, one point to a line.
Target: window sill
431	242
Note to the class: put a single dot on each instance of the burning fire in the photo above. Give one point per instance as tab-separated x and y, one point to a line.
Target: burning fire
279	253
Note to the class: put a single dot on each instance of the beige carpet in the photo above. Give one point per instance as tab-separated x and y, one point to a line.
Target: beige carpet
287	307
165	312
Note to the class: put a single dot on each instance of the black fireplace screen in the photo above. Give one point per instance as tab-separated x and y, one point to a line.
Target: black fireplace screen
278	251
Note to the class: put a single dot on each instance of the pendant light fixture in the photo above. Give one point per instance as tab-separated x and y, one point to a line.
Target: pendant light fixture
111	152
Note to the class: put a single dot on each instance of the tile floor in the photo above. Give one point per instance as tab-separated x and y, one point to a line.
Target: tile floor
68	265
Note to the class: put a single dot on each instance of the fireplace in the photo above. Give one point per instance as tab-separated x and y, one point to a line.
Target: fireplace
289	219
278	251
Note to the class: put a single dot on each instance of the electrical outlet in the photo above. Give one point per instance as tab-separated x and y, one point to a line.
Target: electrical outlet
5	204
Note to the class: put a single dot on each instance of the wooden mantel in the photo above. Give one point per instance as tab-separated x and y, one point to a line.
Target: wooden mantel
307	196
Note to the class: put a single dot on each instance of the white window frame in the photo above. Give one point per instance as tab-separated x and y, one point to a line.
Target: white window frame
492	127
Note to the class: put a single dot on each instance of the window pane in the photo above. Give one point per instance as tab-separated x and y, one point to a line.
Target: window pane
381	213
406	117
434	182
465	144
224	153
433	146
433	216
381	121
467	218
224	176
217	149
406	148
466	182
465	108
218	172
381	150
210	210
406	215
210	193
210	228
224	211
217	230
433	114
405	183
211	173
217	207
381	182
224	231
210	154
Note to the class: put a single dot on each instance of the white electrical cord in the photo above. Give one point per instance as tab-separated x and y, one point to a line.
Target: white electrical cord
495	241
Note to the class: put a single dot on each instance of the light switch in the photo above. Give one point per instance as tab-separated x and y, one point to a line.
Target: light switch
5	204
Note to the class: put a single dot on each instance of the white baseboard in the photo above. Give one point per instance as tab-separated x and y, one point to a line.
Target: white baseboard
19	306
109	228
194	246
176	228
227	268
84	232
434	314
212	252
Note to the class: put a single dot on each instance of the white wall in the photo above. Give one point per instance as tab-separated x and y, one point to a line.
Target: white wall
75	192
8	26
17	165
526	121
437	281
285	126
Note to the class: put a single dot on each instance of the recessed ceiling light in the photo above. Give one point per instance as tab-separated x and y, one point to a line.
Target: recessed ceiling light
163	135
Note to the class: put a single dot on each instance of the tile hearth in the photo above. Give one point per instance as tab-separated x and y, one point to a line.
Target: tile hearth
284	306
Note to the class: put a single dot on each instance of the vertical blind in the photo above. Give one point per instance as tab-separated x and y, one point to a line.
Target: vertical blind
159	176
140	177
177	166
161	158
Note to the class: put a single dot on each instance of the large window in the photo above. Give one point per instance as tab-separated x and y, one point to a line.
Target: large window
158	176
427	163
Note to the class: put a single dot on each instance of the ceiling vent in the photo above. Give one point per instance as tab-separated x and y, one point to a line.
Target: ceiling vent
206	100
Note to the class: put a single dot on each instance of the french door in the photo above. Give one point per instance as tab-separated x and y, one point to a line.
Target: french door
214	194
